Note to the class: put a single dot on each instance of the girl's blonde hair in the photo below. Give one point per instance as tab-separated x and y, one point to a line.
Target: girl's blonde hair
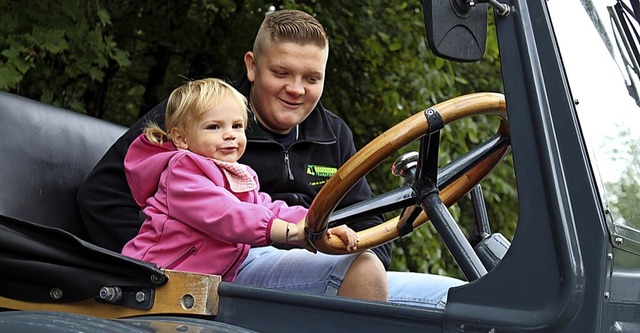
188	102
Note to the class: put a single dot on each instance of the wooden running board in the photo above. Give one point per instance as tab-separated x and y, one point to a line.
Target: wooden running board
184	293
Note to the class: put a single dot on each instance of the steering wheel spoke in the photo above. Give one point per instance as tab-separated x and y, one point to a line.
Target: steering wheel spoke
380	204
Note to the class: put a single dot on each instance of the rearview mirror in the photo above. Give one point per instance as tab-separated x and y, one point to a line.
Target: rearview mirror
456	30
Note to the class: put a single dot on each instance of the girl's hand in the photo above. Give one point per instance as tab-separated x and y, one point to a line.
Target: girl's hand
347	235
301	238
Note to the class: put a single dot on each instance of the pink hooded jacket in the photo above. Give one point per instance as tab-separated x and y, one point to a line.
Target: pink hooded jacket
194	222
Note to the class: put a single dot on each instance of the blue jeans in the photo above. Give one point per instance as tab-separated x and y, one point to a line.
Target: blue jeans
269	267
420	289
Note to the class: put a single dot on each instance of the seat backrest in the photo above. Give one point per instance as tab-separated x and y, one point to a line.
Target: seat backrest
45	154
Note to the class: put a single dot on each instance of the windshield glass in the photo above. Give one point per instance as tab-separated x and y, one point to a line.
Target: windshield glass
598	44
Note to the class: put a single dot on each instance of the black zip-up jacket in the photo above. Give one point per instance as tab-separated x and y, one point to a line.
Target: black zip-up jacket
294	175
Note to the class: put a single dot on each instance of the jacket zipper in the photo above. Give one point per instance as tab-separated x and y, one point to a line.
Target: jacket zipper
288	165
235	264
188	253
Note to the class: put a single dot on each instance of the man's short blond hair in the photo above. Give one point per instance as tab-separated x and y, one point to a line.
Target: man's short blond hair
289	25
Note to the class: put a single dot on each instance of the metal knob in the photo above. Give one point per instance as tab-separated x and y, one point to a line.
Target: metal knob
405	165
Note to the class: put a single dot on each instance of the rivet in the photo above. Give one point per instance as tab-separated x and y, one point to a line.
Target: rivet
606	295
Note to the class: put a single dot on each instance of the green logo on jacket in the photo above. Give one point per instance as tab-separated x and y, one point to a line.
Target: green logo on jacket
320	171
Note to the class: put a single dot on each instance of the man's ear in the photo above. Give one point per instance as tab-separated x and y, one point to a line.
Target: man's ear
250	64
178	138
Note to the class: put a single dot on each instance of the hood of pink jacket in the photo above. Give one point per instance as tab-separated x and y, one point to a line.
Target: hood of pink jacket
144	164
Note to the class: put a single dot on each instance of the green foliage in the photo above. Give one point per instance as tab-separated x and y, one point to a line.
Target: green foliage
624	194
55	50
117	59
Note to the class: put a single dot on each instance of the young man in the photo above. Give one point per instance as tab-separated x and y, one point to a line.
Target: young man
294	145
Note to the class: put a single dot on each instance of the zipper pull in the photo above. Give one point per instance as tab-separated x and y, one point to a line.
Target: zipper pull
287	165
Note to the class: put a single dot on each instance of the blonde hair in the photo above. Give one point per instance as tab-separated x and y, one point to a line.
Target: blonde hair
289	25
188	102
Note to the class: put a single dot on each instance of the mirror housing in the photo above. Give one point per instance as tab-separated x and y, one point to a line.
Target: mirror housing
456	30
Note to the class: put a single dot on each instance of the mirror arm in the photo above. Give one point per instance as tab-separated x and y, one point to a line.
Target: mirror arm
502	10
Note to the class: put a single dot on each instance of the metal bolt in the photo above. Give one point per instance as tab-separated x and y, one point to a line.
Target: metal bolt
618	240
110	294
140	296
610	256
56	293
158	278
606	295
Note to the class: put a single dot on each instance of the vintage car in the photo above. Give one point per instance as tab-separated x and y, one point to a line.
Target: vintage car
569	116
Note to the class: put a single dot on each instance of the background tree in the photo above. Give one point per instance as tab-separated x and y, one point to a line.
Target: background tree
624	193
116	59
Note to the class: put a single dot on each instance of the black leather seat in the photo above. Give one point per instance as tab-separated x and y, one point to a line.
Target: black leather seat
45	154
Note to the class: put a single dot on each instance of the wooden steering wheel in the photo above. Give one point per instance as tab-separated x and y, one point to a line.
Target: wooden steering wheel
407	131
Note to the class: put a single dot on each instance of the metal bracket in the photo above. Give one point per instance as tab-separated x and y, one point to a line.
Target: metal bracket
136	298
